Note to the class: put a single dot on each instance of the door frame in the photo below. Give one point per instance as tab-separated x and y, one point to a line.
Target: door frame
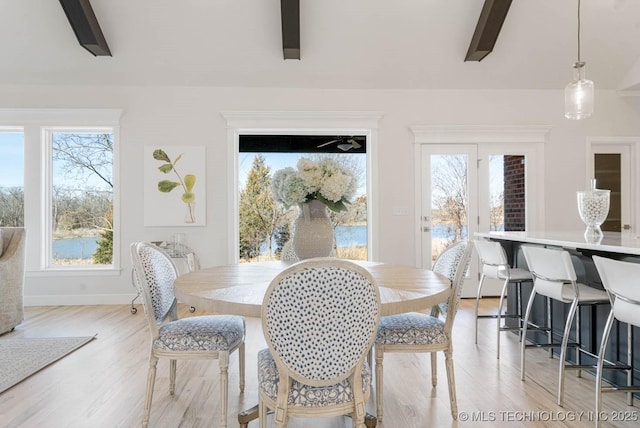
479	134
632	205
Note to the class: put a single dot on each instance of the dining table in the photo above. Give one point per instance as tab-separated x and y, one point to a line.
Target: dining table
239	289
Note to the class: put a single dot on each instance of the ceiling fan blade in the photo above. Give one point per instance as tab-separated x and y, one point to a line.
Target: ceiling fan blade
355	144
345	147
327	143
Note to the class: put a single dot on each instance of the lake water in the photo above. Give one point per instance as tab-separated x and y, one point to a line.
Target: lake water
75	248
346	236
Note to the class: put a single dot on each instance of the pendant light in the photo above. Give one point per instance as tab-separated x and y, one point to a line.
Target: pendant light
578	94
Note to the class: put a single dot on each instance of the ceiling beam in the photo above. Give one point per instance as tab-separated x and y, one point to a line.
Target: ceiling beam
290	12
489	24
85	26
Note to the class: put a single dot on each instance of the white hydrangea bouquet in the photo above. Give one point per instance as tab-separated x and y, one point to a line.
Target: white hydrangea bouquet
325	180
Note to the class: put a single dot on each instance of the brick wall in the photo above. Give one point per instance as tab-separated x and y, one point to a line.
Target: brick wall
514	193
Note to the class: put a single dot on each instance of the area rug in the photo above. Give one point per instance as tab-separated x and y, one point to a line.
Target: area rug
22	357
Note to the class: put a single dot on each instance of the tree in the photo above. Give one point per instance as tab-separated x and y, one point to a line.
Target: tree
85	155
82	157
449	194
260	216
12	207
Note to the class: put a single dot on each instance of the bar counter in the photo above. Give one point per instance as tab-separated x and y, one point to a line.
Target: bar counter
615	245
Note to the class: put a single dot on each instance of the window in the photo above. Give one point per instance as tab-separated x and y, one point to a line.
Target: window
79	202
11	177
264	224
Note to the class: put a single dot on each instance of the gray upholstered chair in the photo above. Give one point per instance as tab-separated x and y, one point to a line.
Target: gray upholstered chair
319	318
417	332
12	259
199	337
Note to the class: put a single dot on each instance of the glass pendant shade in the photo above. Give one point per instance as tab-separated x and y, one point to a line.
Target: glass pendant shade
578	95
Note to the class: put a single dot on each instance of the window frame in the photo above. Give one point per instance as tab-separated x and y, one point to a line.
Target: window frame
47	193
301	123
33	122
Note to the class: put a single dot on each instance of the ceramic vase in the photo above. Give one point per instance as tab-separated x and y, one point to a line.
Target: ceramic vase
312	231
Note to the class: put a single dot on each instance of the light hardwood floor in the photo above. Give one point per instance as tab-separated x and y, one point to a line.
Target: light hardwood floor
102	384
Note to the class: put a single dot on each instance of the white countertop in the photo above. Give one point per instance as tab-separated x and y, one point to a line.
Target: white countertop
614	242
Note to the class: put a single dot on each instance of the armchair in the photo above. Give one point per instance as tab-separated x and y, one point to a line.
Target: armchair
12	259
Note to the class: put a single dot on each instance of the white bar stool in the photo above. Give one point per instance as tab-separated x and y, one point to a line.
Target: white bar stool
620	279
495	265
555	277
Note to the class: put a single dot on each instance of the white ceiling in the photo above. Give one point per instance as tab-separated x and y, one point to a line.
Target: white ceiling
394	44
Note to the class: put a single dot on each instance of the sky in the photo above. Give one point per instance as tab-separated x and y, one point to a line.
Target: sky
11	159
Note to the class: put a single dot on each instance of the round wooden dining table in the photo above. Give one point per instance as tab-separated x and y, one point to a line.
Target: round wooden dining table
239	288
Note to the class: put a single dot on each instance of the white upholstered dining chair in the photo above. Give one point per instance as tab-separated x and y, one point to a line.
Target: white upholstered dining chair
319	318
198	337
417	332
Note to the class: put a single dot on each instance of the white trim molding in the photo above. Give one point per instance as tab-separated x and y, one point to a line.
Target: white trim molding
301	123
465	134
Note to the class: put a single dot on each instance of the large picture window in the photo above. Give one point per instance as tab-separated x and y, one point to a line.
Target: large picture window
79	205
265	225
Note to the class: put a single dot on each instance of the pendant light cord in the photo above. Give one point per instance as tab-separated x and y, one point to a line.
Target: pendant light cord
578	30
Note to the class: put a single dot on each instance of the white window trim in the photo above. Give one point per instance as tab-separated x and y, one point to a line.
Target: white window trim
33	123
301	123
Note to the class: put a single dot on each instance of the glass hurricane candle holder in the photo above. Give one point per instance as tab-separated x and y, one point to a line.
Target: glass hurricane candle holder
593	206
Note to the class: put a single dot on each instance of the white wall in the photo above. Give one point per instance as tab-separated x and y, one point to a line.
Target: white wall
191	116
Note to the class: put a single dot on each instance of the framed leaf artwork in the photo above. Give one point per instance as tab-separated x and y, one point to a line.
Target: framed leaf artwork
174	186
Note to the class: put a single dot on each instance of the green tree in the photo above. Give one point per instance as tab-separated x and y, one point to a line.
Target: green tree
260	216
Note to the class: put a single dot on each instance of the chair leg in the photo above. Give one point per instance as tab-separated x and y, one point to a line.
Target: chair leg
601	353
223	361
241	364
379	376
563	351
478	295
630	363
499	317
452	383
151	379
172	377
550	325
262	414
434	369
523	342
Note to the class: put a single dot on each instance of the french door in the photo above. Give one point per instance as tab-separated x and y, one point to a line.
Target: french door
466	188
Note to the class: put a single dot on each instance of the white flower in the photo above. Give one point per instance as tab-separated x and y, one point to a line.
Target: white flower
325	180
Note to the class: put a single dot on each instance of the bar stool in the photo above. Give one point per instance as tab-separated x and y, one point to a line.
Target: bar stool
496	266
555	277
620	279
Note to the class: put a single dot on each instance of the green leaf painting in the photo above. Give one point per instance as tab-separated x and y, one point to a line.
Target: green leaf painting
186	182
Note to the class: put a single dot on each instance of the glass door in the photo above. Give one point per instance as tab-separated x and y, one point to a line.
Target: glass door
468	188
449	202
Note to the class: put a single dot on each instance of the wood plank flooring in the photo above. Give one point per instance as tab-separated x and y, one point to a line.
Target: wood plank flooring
102	384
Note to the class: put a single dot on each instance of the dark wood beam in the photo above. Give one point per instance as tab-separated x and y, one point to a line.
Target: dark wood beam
489	24
290	12
85	26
